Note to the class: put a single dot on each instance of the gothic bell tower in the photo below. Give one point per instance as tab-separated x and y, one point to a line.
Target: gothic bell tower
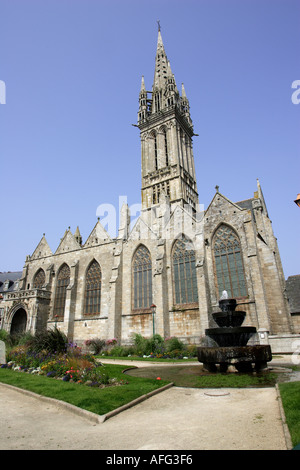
166	139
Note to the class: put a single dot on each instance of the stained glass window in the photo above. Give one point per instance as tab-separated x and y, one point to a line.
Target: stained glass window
184	272
63	280
93	289
228	262
39	279
142	278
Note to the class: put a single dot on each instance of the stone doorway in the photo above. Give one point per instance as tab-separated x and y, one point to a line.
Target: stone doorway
19	321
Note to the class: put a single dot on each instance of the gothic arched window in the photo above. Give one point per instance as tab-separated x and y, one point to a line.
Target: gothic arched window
92	295
63	280
166	147
142	279
39	279
184	272
155	152
229	267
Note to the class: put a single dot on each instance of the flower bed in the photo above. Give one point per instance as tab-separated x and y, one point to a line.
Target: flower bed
85	372
69	364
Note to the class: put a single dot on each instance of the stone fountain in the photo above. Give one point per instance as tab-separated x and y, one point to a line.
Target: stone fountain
230	340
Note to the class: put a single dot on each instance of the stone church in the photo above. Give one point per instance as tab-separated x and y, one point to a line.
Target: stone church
166	274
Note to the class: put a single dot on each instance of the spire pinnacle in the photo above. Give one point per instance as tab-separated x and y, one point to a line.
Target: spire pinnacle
161	63
143	88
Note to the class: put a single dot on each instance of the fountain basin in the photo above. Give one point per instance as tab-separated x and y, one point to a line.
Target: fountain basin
231	336
229	319
241	357
227	305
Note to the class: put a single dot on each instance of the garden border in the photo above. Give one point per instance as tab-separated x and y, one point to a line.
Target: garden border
286	432
93	417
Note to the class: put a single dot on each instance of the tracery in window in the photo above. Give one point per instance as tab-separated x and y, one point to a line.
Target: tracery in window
229	267
184	272
39	279
92	296
142	278
63	280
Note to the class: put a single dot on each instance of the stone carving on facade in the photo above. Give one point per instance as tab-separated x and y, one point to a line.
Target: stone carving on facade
257	204
199	261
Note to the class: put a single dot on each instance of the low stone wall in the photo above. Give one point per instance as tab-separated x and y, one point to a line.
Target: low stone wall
284	344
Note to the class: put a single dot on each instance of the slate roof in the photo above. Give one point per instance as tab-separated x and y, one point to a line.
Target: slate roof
293	293
246	204
12	277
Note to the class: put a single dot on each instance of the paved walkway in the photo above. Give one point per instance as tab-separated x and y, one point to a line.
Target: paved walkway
177	419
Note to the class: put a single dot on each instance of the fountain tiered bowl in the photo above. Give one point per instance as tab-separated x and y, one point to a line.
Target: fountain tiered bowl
230	340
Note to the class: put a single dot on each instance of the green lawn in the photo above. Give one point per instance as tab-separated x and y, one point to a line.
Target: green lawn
93	399
138	382
193	376
290	396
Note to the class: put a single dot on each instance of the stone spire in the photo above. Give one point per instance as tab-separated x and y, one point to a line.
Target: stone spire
143	88
78	236
166	139
161	65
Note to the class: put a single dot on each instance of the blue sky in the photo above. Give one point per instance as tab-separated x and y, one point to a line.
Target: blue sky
72	70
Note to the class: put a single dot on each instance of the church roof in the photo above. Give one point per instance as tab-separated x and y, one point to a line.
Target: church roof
8	280
246	204
293	293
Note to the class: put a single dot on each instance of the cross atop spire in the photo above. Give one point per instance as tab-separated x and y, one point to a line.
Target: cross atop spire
158	23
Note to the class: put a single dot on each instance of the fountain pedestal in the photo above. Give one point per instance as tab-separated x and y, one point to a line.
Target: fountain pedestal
231	343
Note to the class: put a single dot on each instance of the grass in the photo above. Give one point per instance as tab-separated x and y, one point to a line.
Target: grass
290	396
142	381
192	376
94	399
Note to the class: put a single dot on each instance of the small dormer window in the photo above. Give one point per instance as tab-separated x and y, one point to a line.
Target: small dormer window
7	284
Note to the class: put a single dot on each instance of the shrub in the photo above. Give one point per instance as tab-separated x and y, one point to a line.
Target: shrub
143	345
3	335
16	339
157	344
111	342
96	345
25	338
118	351
191	350
12	340
52	341
173	343
176	353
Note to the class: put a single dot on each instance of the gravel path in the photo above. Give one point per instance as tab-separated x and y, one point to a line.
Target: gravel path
177	419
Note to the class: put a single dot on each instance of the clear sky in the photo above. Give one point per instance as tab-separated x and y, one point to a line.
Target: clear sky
72	70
